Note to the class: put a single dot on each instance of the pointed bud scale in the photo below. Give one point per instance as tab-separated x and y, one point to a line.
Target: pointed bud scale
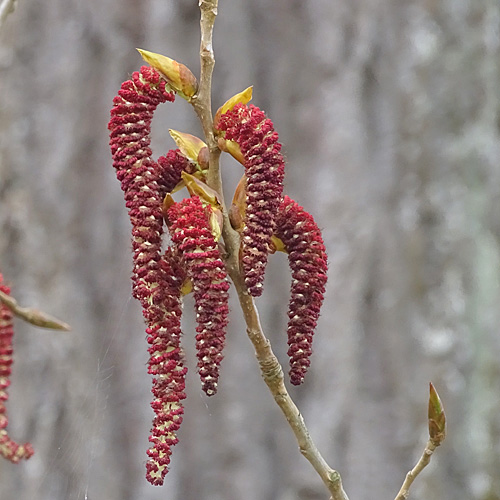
178	76
264	170
302	239
189	145
192	235
232	148
436	417
241	98
9	449
187	287
167	203
199	188
216	222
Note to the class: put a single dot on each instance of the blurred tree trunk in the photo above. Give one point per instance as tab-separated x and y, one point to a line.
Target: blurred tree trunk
389	115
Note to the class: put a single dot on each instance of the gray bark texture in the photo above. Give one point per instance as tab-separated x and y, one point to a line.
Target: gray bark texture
389	113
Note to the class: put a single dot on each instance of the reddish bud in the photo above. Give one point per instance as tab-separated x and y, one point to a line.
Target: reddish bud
239	205
204	158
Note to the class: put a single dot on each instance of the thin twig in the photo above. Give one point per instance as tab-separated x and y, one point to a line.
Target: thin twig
271	369
413	474
6	8
272	373
33	316
202	101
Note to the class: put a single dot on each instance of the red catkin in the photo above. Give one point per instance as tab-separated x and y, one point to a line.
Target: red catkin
189	225
308	263
264	169
9	449
171	167
166	365
156	279
140	176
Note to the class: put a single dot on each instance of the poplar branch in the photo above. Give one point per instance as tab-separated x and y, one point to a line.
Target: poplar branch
414	473
202	101
271	370
33	316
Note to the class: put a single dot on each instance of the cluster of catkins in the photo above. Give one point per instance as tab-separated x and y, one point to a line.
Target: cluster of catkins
266	220
9	449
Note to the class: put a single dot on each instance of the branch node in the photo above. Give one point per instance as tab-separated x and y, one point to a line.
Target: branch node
271	369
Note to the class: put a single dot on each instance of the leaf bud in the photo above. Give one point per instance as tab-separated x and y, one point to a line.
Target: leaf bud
178	76
238	206
189	145
199	188
436	417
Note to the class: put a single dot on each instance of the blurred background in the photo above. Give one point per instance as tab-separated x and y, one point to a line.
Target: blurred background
389	113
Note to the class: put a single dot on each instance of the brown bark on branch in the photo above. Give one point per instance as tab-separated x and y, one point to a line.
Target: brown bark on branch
415	472
271	370
33	316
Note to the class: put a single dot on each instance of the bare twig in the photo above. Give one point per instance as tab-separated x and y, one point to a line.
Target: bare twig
6	8
272	373
436	420
33	316
413	474
271	369
202	101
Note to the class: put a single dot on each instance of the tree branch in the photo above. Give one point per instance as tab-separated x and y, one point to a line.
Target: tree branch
33	316
414	473
271	369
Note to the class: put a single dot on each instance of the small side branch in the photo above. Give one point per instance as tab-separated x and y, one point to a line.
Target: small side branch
436	420
33	316
6	8
415	472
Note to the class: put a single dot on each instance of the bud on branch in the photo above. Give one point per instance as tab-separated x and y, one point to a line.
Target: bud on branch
436	417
